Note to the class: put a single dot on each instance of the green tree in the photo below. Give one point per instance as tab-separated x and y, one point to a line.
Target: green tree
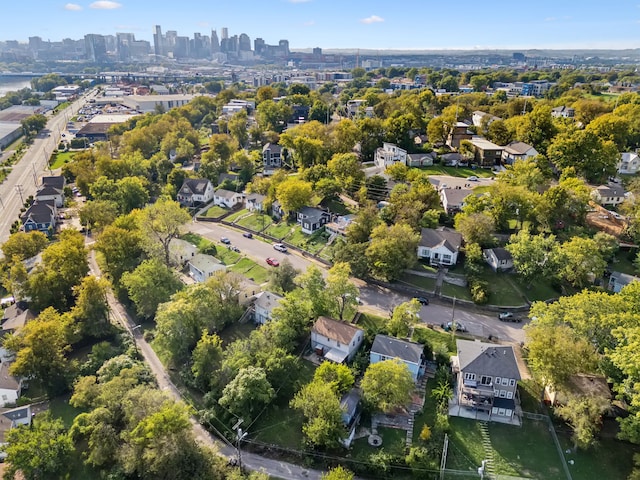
247	393
206	360
320	406
91	310
149	285
534	256
475	228
403	318
238	127
338	473
40	452
392	250
580	260
293	194
21	245
523	173
98	214
121	249
341	294
387	385
584	415
160	223
282	279
339	376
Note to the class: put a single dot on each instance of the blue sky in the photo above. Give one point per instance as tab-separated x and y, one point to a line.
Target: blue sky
406	24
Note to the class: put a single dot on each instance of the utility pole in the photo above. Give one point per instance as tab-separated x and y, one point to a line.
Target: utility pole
240	435
19	190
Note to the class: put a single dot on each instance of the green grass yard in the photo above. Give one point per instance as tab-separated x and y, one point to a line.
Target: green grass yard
60	159
226	256
279	230
503	288
235	215
256	221
236	331
451	290
311	243
623	262
440	341
461	172
425	283
250	269
215	212
539	290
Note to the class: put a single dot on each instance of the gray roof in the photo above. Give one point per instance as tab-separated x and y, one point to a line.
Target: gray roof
624	278
7	381
197	186
206	263
349	402
256	198
274	148
312	213
517	148
610	190
47	190
228	176
267	300
488	359
500	253
455	196
221	192
432	238
395	348
40	212
14	414
56	181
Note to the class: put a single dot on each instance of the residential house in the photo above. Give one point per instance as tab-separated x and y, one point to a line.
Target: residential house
10	386
254	202
499	259
271	158
629	163
41	216
231	177
52	188
263	306
227	198
441	246
619	280
452	199
483	119
195	191
611	195
350	406
563	112
409	353
459	132
487	380
181	251
14	319
339	225
11	418
335	340
486	153
517	151
277	211
420	159
312	219
202	266
389	154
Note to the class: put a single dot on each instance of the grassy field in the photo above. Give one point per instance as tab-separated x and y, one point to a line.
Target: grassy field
393	441
256	221
451	290
236	331
503	288
623	262
250	269
440	341
311	243
197	240
234	216
461	172
226	256
278	230
215	212
425	283
61	159
539	290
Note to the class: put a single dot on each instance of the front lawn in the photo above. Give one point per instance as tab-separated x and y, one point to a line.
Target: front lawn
440	341
417	281
310	243
278	230
215	212
538	290
451	290
60	159
234	216
502	288
461	172
226	256
198	240
250	269
256	221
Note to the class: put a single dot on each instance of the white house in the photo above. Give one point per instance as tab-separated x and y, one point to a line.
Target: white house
409	353
335	340
420	159
10	386
181	251
499	259
11	418
563	111
483	119
517	151
619	280
195	191
52	188
202	266
390	154
254	202
264	305
608	194
452	199
226	198
441	246
629	163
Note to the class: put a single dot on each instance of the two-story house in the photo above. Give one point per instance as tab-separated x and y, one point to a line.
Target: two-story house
629	163
254	202
487	378
195	191
608	195
52	188
390	348
202	267
459	132
441	246
498	258
517	151
389	154
10	386
41	216
335	340
312	219
263	306
271	158
227	198
486	153
452	199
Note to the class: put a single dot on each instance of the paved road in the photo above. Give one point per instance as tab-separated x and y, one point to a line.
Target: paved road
378	300
26	174
275	468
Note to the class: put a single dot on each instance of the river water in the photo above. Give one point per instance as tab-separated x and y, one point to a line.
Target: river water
13	84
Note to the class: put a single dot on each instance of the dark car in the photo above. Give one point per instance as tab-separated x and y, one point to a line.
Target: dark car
423	300
247	235
509	317
456	326
225	240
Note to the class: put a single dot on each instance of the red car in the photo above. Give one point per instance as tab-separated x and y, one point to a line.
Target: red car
272	261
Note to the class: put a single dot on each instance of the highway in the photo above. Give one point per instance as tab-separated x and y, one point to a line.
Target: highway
25	175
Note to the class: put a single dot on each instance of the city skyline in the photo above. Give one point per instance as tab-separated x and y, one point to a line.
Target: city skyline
329	24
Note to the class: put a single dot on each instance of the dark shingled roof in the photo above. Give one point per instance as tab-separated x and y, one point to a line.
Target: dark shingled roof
487	358
196	186
500	253
396	348
432	238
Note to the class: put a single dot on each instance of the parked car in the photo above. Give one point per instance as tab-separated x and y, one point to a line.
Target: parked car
272	261
422	300
472	178
225	240
508	317
234	248
279	247
247	235
457	326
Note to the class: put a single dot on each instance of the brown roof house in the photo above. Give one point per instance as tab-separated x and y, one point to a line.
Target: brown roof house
335	340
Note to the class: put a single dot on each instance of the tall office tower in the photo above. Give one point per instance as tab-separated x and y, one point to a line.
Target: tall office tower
244	43
157	41
259	46
215	43
169	43
225	33
233	44
284	47
124	41
181	47
95	48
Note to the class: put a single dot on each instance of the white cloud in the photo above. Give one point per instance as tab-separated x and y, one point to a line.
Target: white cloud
202	24
372	19
550	19
74	7
309	23
299	1
105	5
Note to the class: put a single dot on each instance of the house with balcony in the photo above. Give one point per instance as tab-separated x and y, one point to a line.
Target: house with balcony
335	340
271	158
440	246
389	154
40	216
195	191
390	348
487	378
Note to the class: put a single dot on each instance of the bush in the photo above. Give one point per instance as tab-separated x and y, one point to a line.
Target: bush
425	433
479	291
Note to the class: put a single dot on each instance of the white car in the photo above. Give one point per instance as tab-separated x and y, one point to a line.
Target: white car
279	247
472	178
